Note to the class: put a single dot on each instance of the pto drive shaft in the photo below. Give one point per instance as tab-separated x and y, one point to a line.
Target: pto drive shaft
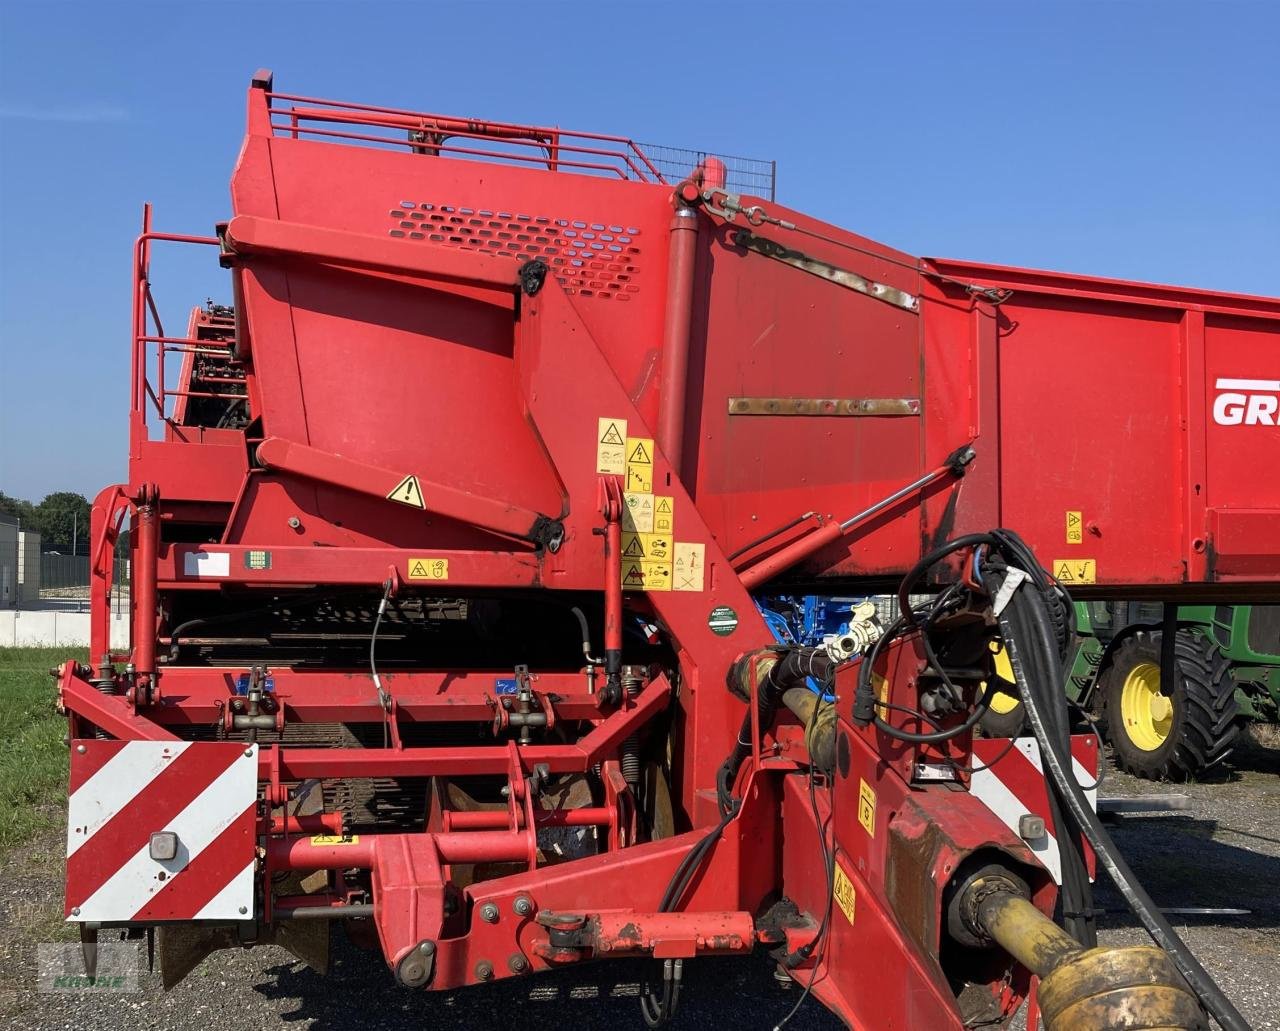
1081	989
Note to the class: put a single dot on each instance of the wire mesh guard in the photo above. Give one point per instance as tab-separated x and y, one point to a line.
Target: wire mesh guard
752	176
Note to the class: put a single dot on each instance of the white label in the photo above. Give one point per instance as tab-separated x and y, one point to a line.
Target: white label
206	563
1012	581
1247	402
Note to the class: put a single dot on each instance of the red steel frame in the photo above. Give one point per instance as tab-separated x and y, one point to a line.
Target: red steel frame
571	357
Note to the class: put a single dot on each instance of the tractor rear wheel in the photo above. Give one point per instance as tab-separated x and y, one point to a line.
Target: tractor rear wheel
1164	734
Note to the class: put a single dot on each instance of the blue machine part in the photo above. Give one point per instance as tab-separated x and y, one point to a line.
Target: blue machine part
807	620
242	684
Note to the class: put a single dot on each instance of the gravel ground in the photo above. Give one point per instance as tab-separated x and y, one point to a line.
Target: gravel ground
1222	851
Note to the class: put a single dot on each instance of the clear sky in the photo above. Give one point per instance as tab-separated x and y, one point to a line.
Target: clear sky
1127	139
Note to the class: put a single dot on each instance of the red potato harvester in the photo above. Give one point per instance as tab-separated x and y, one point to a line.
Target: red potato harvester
451	538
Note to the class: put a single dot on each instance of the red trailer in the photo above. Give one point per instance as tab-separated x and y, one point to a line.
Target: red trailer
444	622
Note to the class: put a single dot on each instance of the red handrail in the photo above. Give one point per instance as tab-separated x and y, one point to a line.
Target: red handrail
554	140
144	304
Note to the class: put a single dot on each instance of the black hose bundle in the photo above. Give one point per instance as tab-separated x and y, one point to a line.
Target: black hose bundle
1037	624
1030	634
1025	623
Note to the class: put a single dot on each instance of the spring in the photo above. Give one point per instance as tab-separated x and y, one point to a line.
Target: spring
631	684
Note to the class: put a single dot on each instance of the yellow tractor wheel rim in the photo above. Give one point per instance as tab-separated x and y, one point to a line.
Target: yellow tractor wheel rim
1004	699
1147	714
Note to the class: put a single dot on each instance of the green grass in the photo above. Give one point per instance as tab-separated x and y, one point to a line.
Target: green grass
33	759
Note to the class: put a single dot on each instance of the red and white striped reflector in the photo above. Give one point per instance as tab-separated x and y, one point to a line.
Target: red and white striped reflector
1015	786
122	792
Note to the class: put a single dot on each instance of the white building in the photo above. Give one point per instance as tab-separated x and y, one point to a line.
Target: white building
28	568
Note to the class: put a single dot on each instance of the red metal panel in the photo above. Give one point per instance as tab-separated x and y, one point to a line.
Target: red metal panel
1089	422
206	471
1142	407
1244	543
1240	412
762	329
466	197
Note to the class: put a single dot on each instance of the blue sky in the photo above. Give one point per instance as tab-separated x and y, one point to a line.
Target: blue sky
1126	139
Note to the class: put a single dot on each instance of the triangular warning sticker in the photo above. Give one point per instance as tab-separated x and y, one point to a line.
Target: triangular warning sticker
664	505
640	455
418	569
408	492
633	576
611	435
1063	573
634	550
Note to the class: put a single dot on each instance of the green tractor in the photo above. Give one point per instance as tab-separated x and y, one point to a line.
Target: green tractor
1228	659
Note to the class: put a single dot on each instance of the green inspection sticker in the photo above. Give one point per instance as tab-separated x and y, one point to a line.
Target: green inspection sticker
723	620
257	560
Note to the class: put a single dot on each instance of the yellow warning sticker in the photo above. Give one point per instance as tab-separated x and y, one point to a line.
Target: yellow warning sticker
637	513
334	839
843	893
428	569
688	566
408	492
664	514
867	807
646	575
1075	570
611	446
640	464
880	683
646	545
1075	527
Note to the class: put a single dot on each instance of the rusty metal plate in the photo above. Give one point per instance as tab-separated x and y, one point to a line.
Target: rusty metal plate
825	270
824	406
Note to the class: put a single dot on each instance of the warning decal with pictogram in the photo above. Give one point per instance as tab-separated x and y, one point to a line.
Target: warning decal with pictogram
640	464
428	568
664	514
1075	570
408	492
611	446
690	560
637	513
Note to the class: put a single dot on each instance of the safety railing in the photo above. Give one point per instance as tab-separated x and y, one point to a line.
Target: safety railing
144	394
553	148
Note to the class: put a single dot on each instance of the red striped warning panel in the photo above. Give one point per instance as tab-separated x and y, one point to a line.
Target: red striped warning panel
1012	787
201	798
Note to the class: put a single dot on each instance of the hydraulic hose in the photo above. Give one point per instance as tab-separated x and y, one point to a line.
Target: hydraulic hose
864	704
1139	902
1031	626
791	669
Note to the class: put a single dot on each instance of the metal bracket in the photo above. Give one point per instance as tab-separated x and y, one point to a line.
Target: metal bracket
824	270
532	275
728	206
547	533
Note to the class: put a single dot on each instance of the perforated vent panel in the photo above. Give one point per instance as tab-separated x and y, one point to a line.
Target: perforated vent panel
592	259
